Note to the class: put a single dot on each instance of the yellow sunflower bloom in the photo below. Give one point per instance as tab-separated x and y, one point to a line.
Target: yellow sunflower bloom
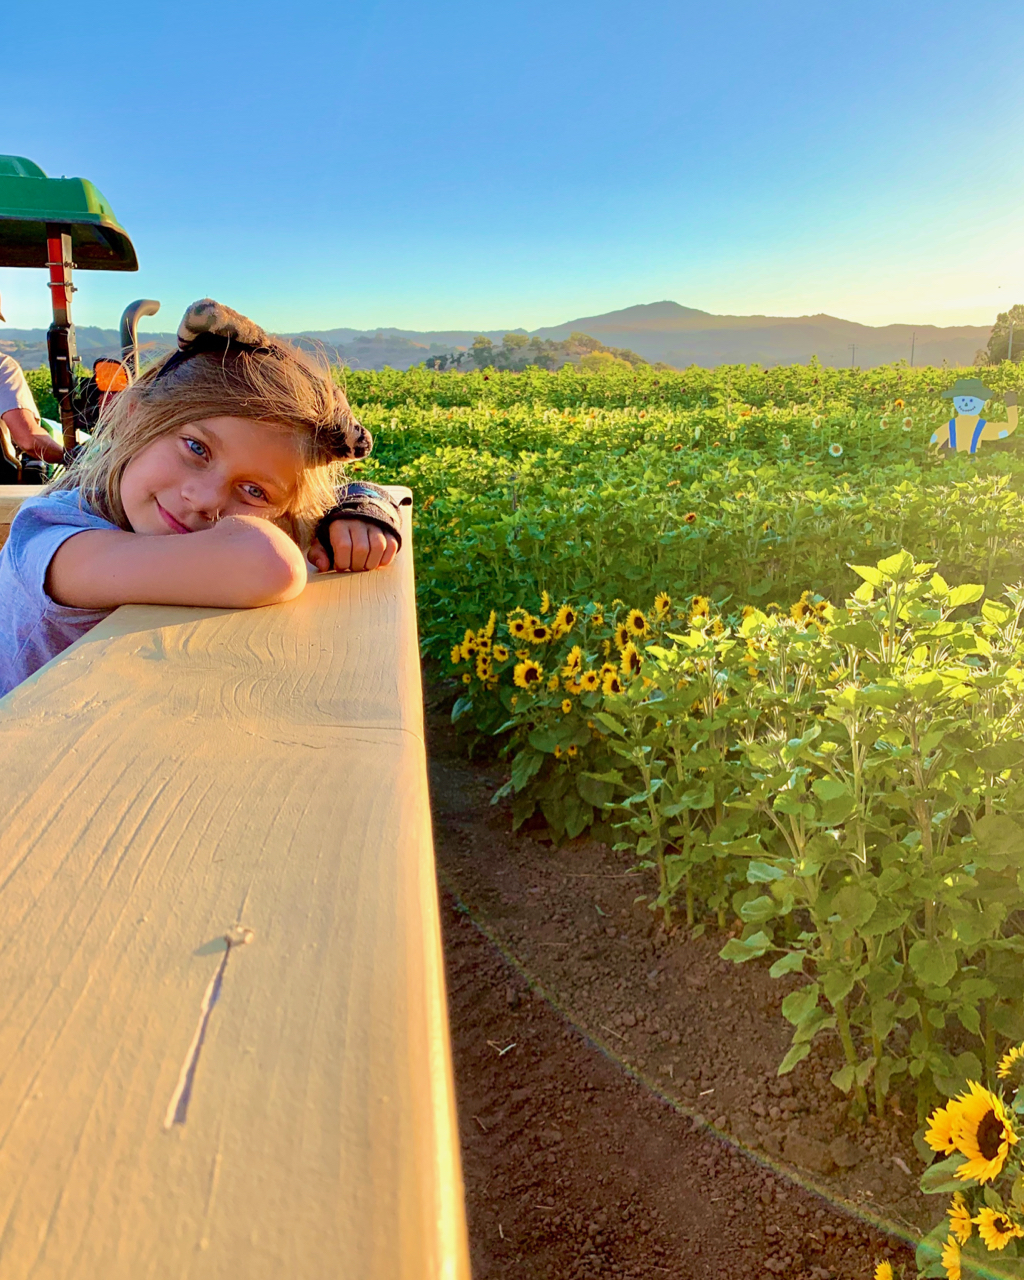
662	605
573	661
573	687
630	664
1008	1062
951	1259
611	683
522	654
717	628
982	1132
483	642
538	632
572	751
590	681
997	1229
883	1271
558	753
959	1218
527	674
467	678
518	628
637	623
565	619
545	603
939	1134
484	670
553	683
621	636
489	628
597	620
500	653
606	647
456	654
566	706
700	607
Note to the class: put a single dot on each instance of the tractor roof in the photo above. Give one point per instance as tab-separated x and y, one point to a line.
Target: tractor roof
30	201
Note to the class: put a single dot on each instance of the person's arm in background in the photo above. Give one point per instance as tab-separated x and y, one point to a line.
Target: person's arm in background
20	417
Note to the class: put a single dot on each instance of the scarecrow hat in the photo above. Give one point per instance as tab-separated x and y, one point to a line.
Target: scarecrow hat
968	387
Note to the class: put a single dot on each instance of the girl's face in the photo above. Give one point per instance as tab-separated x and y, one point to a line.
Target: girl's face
188	480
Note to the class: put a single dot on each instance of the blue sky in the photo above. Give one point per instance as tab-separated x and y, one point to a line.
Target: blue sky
467	165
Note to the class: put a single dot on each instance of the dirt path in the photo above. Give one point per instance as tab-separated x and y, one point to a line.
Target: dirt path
574	1169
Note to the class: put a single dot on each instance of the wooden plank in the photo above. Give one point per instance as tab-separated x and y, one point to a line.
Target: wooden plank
11	498
175	774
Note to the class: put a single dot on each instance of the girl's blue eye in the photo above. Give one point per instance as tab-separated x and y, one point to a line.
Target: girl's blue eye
254	491
194	446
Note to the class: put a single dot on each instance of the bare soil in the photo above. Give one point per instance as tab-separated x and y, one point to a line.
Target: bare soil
619	1108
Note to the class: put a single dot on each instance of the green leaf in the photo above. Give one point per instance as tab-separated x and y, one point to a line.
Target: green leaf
829	789
938	1179
462	706
796	1054
524	766
967	594
762	873
869	574
610	723
792	962
747	949
898	566
843	1078
854	904
934	962
837	985
759	910
800	1003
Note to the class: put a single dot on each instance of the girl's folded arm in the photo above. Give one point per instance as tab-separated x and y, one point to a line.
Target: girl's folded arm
239	563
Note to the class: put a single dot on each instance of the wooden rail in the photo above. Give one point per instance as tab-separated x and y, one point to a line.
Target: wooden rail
223	1036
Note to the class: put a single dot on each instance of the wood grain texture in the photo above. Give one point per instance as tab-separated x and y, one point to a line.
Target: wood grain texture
175	773
11	498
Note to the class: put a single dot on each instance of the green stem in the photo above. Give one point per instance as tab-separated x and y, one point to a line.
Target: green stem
876	1049
846	1037
689	900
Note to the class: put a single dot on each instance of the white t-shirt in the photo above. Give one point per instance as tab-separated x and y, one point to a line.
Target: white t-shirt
15	392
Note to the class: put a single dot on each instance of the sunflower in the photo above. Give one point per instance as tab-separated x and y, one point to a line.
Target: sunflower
517	627
456	654
553	683
621	635
717	627
611	683
522	654
565	620
527	674
981	1131
815	423
538	632
951	1259
662	605
484	671
997	1229
908	424
898	404
637	623
883	1271
573	687
499	653
545	603
690	517
959	1218
558	753
573	661
700	607
835	450
483	641
630	664
590	681
566	706
572	751
489	628
467	678
1010	1064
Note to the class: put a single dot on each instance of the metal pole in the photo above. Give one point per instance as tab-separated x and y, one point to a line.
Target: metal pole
133	313
1009	343
60	337
913	340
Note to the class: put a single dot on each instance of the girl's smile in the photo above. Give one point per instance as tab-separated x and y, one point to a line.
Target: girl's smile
186	481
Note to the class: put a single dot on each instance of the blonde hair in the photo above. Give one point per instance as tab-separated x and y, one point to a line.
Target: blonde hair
273	384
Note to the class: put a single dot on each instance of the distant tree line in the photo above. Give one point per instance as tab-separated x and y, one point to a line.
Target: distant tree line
1006	341
517	351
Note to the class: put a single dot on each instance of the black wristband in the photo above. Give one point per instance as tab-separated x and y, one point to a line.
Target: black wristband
362	501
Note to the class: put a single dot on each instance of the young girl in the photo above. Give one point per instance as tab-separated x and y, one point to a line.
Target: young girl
233	439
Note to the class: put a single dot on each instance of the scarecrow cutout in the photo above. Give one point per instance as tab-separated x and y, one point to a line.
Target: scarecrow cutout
963	433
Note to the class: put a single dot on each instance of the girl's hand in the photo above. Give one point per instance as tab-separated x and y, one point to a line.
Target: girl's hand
239	563
357	546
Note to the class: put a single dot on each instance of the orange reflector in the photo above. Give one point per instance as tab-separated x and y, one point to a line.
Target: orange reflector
110	375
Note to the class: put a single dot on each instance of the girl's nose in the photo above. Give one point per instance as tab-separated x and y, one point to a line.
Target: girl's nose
206	497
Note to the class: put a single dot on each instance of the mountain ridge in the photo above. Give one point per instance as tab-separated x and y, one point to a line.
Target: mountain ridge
663	331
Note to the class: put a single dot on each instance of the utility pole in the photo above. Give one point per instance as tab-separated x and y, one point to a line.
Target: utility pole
853	354
913	340
1009	343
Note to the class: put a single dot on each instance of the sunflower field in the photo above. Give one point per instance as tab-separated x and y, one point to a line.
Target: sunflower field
750	628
